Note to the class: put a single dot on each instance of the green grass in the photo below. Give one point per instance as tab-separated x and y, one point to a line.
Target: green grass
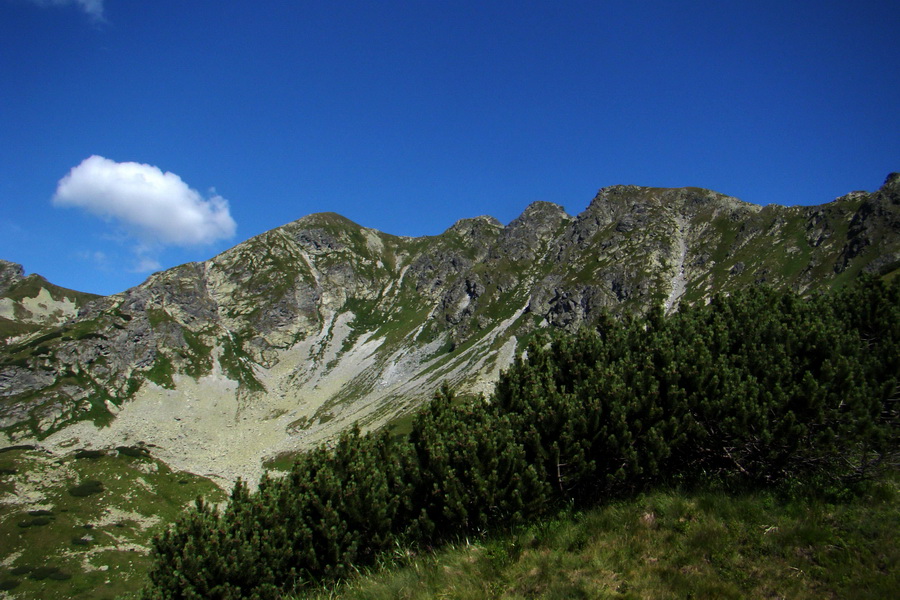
665	545
158	316
68	537
198	354
282	462
392	323
161	372
31	286
9	328
237	365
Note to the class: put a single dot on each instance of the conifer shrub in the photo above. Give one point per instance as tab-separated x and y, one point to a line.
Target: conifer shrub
133	451
758	389
9	584
35	522
88	487
48	572
84	453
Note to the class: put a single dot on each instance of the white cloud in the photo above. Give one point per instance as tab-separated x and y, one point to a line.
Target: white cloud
94	8
97	258
158	208
146	264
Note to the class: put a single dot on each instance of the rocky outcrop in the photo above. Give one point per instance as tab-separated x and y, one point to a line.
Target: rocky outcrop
10	274
875	223
290	336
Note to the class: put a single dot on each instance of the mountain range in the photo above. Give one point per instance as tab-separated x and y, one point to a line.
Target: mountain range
284	340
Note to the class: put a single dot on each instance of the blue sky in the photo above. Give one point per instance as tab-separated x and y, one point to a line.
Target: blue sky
140	134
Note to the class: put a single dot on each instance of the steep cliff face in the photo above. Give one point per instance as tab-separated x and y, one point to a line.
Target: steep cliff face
289	337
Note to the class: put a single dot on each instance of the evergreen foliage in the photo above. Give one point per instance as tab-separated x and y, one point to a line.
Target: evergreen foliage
756	389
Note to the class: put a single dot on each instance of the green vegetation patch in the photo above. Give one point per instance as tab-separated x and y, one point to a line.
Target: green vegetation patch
35	522
84	330
158	316
133	451
87	488
161	372
48	572
31	286
90	454
10	328
9	583
35	344
109	532
282	462
237	364
99	414
198	355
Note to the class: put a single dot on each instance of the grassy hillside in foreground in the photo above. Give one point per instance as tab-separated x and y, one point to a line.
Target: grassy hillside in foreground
666	545
79	526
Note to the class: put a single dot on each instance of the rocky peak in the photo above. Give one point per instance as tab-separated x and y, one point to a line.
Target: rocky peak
620	204
475	226
892	182
617	197
528	235
541	215
10	274
319	232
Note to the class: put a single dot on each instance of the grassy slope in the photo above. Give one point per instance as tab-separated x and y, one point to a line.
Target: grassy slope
668	545
31	286
97	543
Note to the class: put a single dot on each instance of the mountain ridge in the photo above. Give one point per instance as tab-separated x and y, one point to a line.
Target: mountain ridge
281	341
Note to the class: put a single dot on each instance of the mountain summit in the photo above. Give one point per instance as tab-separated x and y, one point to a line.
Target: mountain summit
293	335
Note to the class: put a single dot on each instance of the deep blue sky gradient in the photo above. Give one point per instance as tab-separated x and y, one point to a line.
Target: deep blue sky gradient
406	116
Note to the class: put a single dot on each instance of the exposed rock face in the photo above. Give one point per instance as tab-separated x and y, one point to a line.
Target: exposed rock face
291	336
10	274
875	223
